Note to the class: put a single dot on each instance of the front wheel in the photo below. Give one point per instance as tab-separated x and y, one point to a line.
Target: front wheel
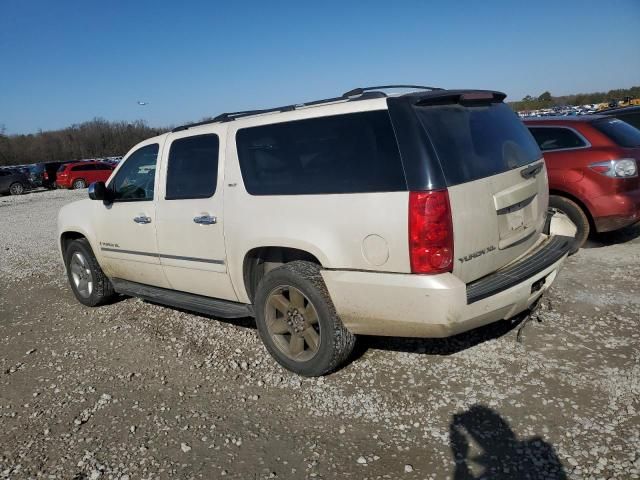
88	282
575	213
16	188
297	321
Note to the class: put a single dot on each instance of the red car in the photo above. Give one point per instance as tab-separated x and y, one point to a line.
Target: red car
592	163
82	174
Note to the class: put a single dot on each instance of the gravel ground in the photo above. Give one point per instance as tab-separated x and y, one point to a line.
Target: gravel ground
135	390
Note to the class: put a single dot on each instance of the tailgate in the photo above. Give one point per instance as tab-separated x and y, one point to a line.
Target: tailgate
495	176
496	220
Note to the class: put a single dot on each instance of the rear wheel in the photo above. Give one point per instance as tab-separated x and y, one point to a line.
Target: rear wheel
298	322
16	188
575	213
79	183
88	282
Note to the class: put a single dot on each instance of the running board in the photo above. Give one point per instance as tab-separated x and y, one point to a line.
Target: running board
184	300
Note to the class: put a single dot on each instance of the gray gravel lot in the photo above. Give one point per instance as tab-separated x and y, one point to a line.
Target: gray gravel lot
135	390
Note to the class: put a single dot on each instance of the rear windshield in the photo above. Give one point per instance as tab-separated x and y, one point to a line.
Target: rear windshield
474	142
620	132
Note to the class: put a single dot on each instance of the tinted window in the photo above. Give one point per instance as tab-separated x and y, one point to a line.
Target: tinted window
83	168
632	119
135	179
192	171
474	142
102	166
556	138
620	132
338	154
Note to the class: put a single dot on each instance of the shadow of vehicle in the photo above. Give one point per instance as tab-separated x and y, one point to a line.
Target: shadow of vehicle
485	447
442	346
613	238
426	346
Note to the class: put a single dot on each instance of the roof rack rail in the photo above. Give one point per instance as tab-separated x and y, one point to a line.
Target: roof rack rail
359	91
359	94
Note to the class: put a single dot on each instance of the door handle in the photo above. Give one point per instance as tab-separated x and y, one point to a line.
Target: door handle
205	219
142	219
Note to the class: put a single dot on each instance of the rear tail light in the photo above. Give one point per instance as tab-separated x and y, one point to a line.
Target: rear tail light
45	176
623	168
430	232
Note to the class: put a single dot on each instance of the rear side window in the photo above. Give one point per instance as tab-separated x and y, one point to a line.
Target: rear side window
620	132
83	168
193	167
551	138
474	142
353	153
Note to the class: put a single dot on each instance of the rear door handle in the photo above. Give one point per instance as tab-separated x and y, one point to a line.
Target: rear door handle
205	219
142	219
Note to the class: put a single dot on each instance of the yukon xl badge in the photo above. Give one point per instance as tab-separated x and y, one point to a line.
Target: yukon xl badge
477	254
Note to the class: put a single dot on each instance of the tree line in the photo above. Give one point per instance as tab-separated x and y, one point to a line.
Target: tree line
93	139
100	138
546	100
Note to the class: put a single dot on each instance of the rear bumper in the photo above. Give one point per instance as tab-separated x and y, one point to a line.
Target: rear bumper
616	211
407	305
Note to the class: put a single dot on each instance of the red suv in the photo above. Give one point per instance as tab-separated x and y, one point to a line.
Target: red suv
81	174
592	163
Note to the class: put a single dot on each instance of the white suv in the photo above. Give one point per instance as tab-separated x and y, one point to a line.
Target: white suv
422	214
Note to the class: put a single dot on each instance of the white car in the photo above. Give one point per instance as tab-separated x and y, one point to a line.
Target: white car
421	214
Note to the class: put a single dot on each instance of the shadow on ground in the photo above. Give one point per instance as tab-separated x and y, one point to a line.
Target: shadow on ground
623	235
484	446
442	346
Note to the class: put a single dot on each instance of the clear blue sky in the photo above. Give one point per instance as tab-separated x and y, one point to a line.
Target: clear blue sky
65	62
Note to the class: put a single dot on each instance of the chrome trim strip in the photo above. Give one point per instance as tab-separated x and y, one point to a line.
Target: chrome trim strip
161	255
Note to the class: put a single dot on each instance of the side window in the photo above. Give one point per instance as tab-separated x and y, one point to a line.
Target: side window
192	171
135	179
352	153
556	138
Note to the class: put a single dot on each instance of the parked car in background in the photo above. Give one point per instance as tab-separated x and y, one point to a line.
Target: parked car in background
13	181
592	161
50	174
36	172
631	115
82	174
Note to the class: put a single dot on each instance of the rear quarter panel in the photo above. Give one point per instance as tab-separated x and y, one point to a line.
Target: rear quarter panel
361	231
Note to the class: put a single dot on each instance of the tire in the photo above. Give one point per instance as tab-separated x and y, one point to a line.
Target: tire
82	265
16	188
281	332
78	184
576	214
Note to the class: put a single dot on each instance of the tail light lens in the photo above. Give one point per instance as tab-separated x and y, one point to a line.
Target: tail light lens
430	232
623	168
45	175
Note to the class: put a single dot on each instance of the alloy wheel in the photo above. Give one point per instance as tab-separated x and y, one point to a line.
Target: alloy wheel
81	275
292	323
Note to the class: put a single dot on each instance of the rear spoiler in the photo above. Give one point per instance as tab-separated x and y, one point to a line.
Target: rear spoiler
463	97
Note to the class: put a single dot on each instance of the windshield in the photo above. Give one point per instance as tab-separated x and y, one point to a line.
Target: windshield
620	132
475	142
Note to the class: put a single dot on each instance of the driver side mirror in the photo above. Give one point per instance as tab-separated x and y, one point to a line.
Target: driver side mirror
99	191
